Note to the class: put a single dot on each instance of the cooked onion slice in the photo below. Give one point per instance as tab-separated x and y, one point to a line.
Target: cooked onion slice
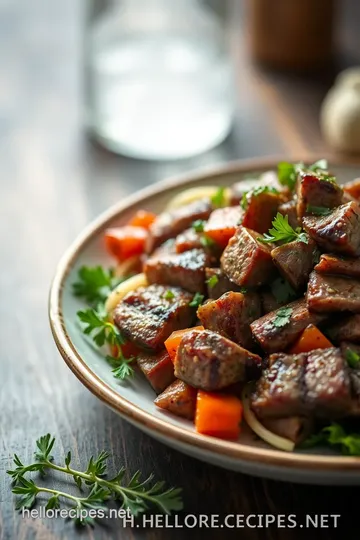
195	194
122	289
126	267
259	429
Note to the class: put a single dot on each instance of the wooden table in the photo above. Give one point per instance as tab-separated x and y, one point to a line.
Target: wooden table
53	181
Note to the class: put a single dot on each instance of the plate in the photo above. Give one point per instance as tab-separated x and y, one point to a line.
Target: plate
134	400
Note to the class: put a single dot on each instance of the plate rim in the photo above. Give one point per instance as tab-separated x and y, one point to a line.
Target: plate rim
128	410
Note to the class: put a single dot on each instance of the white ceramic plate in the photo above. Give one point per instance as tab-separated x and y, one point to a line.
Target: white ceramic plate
134	400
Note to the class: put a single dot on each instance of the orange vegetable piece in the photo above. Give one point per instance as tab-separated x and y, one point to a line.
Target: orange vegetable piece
218	415
222	224
125	242
128	349
310	339
173	341
142	218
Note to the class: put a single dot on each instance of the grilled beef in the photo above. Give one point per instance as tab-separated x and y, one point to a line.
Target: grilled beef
169	224
295	261
158	369
179	398
218	283
344	328
348	350
231	315
274	332
334	264
186	270
247	261
313	190
209	361
147	316
260	210
353	188
338	231
328	293
289	209
269	302
187	240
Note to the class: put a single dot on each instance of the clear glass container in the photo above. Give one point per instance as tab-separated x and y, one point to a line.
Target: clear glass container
159	78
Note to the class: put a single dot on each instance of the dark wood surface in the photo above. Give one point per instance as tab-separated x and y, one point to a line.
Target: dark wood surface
53	181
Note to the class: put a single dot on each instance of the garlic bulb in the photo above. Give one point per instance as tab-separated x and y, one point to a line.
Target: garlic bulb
340	113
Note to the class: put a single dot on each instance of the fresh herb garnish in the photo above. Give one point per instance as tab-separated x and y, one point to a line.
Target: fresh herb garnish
169	295
218	199
94	284
136	495
318	210
198	225
255	192
320	165
335	435
206	241
352	358
288	172
212	281
283	232
282	290
282	317
197	300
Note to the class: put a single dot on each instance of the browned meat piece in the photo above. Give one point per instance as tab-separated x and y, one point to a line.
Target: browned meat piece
327	383
170	224
338	231
313	190
351	353
344	328
333	293
186	270
295	428
158	369
334	264
289	209
279	391
353	188
179	399
295	261
209	361
260	210
231	316
147	316
279	329
218	283
269	302
247	261
187	240
269	179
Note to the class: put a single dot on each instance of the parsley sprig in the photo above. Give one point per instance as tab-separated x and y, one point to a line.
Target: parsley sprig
94	284
335	435
136	495
219	198
283	232
288	172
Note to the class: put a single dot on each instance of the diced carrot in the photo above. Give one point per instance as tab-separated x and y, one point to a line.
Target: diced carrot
125	242
310	339
173	341
128	349
218	415
260	211
222	224
142	218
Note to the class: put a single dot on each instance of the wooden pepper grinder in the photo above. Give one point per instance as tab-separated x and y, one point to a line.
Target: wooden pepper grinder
291	34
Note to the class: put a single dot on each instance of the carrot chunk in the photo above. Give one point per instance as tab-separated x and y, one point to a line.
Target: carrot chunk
142	218
125	242
218	415
310	339
222	224
173	341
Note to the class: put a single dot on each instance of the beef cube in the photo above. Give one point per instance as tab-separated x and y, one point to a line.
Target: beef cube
179	399
294	428
209	361
186	270
338	231
260	210
158	369
345	328
353	188
170	224
289	209
276	332
222	224
269	302
314	190
295	261
148	315
231	316
246	260
187	240
279	391
327	293
347	349
327	383
218	283
334	264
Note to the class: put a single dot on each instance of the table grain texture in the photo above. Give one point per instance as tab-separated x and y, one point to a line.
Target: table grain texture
53	182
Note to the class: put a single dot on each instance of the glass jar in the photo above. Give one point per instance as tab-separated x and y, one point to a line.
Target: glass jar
159	78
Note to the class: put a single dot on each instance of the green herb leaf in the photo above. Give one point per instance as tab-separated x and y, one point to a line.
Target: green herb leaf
206	241
352	358
320	165
336	436
282	291
218	199
212	281
318	210
283	316
197	300
198	225
287	174
123	369
169	295
94	284
283	232
107	331
44	447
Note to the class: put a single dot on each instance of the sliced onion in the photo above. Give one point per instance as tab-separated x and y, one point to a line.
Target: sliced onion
195	194
122	289
126	267
268	436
